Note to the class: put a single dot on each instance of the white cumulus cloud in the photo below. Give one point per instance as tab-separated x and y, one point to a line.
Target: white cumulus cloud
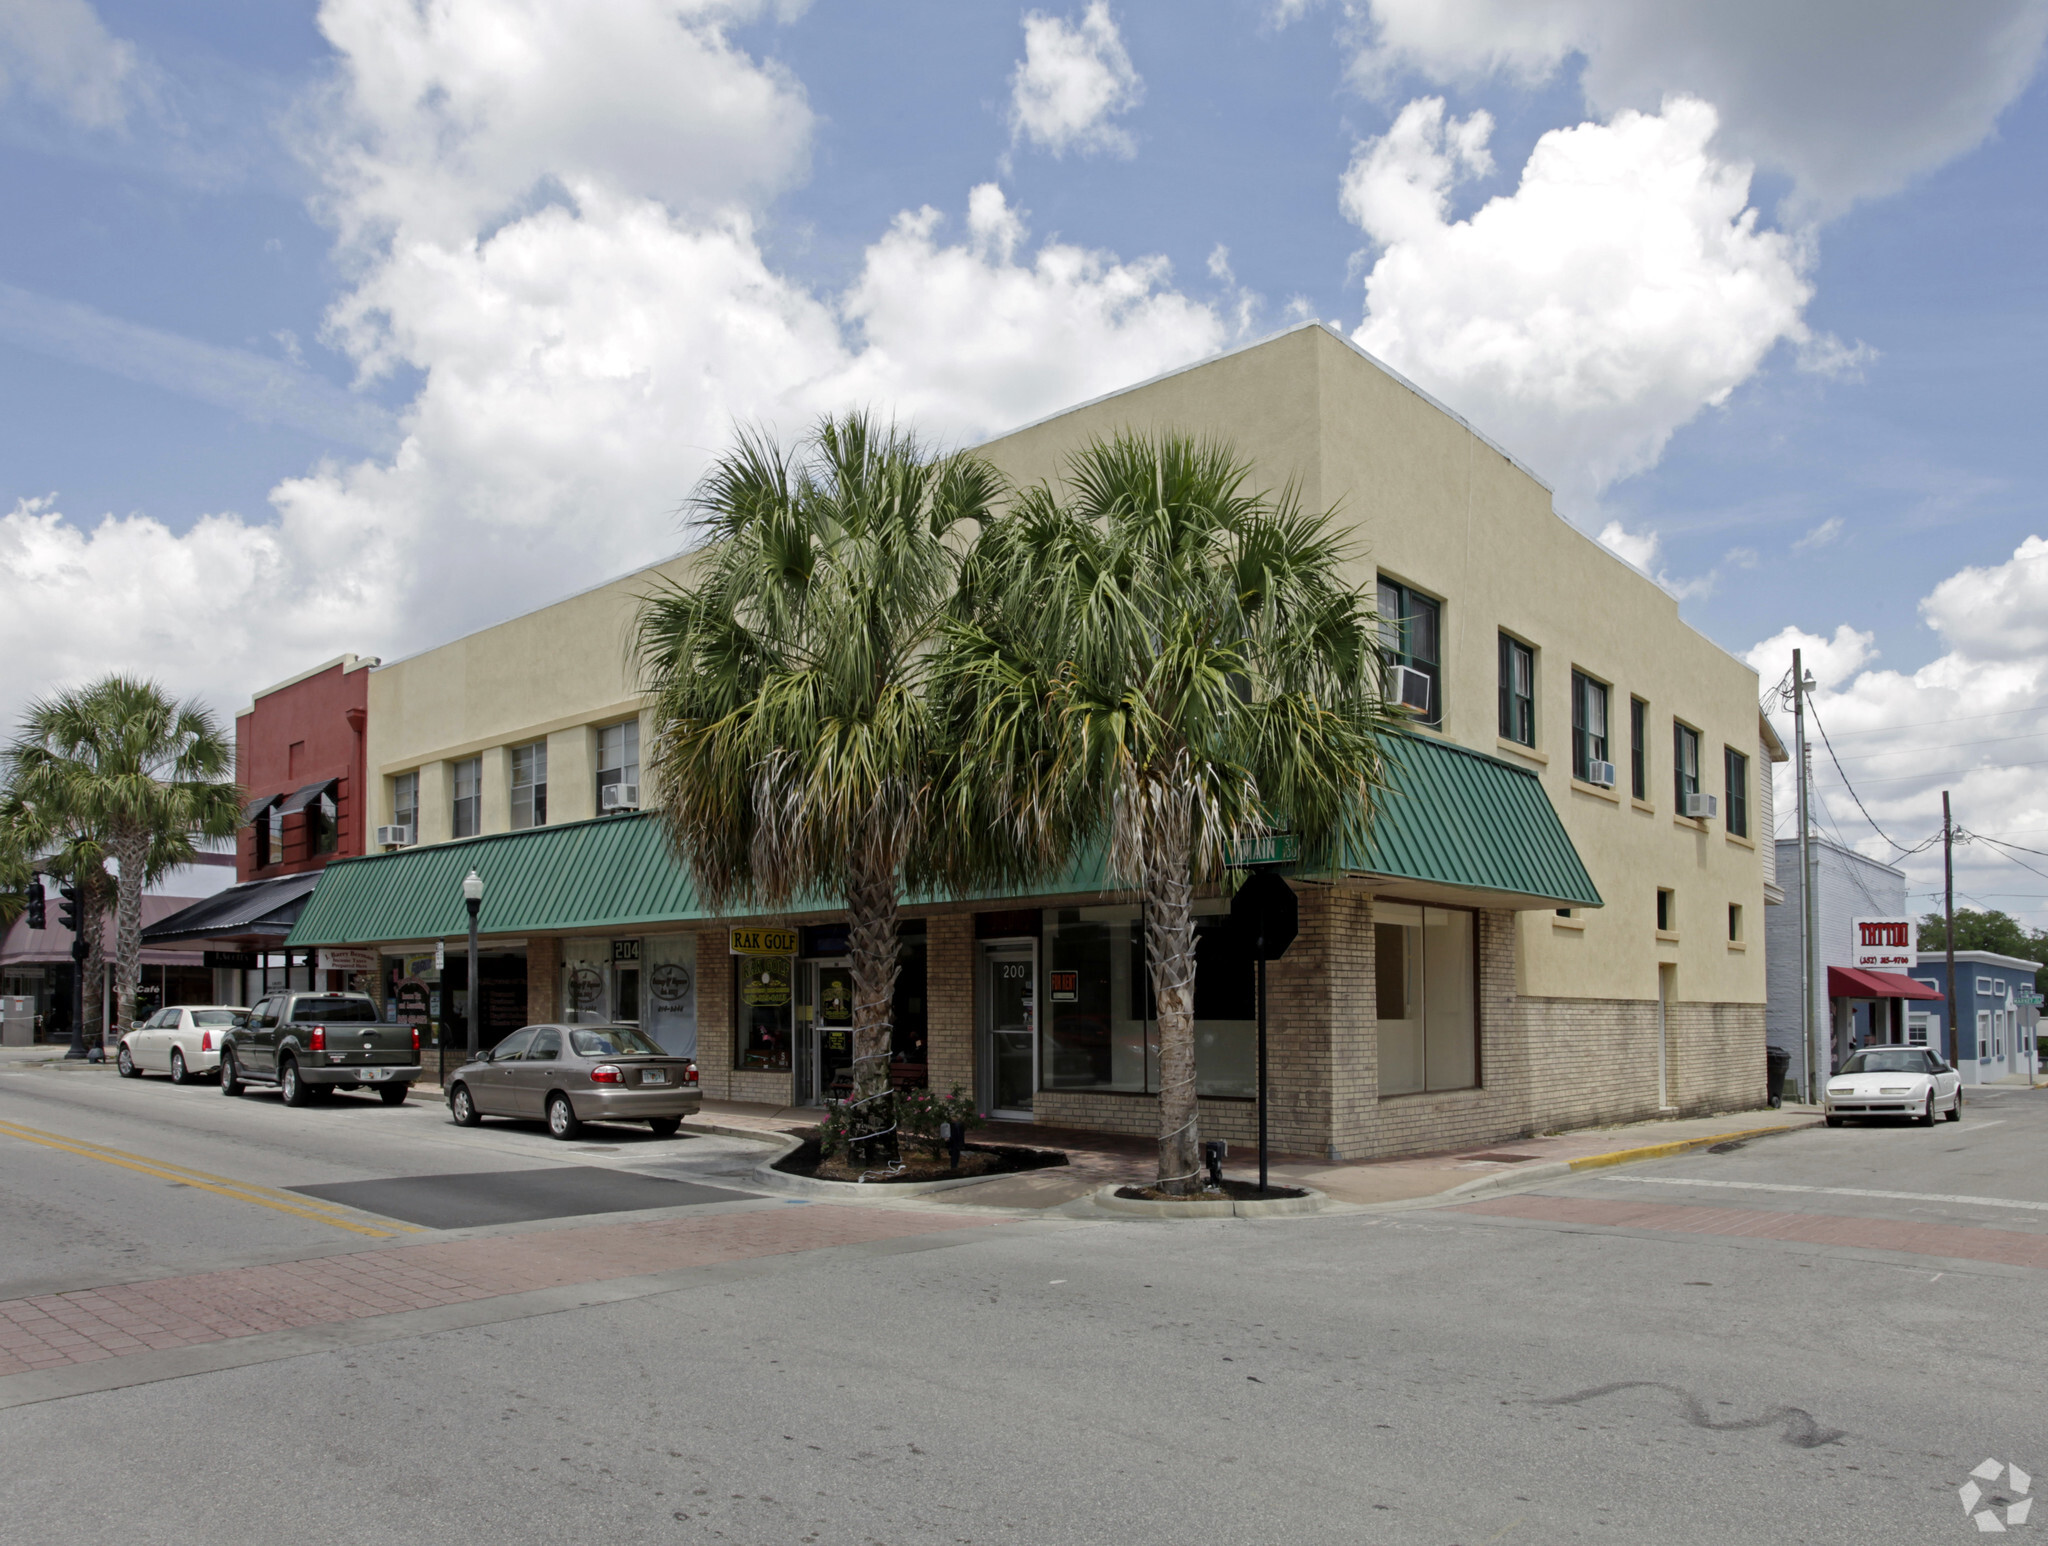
1073	79
1848	98
550	218
60	53
1623	286
1973	721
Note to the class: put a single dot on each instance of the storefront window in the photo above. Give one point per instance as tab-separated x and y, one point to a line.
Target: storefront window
670	1014
908	1052
766	1013
1101	1029
1427	998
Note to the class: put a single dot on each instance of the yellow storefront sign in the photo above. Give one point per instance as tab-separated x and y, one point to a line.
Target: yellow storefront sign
757	941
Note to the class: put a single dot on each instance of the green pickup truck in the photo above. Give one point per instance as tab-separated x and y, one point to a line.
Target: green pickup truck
312	1044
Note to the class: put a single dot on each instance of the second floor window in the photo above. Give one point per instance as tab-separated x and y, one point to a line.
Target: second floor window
530	785
1738	792
618	763
323	824
1639	748
1589	724
1517	691
405	802
1410	626
469	777
1685	761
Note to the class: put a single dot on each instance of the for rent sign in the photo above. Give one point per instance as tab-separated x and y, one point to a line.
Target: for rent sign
1883	944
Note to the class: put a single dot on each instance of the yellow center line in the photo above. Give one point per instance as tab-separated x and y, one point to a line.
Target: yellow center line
240	1191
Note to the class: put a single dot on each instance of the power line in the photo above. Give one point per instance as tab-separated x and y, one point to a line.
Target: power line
1907	751
1957	719
1904	851
2003	767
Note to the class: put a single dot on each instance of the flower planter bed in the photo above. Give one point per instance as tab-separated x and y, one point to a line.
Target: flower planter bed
977	1159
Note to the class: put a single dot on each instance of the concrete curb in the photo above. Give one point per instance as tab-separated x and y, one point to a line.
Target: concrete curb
1105	1198
1551	1170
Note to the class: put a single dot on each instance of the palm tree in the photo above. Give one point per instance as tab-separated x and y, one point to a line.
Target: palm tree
794	749
120	766
1157	664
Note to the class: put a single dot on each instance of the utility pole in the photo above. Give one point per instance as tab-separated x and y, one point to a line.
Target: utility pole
1806	971
1948	928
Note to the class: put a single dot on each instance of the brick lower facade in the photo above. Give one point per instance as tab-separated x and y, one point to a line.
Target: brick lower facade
1544	1063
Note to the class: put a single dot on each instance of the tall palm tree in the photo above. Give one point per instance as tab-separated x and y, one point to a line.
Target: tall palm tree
1159	663
122	766
794	746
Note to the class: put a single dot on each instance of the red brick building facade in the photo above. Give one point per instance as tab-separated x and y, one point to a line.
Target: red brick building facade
299	755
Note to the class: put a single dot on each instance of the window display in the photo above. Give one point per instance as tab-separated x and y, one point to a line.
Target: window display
766	1013
1427	998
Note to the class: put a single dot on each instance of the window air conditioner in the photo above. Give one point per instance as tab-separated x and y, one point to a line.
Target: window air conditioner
394	837
1701	806
1601	773
619	797
1409	688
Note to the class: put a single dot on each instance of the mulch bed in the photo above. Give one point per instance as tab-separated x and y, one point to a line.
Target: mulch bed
976	1159
1230	1191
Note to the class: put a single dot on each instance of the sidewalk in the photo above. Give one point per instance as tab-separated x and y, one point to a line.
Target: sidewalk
1098	1159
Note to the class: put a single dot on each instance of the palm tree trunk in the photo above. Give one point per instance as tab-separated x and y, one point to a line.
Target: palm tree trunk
92	917
1170	954
871	944
132	849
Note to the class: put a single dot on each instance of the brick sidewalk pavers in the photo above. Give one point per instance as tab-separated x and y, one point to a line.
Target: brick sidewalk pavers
51	1330
1964	1242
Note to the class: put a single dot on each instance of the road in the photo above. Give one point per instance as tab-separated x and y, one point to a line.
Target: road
1808	1338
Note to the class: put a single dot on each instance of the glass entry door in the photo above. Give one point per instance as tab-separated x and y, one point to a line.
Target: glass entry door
828	1031
1009	1026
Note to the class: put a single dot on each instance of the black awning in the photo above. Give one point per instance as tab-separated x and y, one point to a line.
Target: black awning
256	909
257	807
299	799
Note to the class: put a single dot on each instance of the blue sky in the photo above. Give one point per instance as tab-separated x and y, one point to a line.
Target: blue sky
366	323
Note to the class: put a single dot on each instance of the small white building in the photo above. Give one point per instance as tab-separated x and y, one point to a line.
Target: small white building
1847	886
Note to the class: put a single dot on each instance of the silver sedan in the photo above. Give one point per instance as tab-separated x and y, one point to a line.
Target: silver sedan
1894	1082
566	1075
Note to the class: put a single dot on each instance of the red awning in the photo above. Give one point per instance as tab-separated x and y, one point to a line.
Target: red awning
1844	982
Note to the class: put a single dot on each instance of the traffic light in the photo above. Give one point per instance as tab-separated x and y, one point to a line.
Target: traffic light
67	907
35	903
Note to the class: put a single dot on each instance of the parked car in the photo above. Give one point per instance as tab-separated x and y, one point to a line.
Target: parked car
183	1041
1894	1082
566	1075
312	1044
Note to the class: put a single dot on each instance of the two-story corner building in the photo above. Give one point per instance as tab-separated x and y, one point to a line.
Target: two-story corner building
1558	919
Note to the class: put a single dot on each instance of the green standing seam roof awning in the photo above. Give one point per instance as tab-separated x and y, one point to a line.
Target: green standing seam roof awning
1462	818
1453	818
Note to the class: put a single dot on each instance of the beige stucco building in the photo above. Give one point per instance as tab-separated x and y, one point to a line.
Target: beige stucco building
1552	931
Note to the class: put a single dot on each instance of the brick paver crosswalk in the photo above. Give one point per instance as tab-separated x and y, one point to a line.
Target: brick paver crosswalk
51	1330
1964	1242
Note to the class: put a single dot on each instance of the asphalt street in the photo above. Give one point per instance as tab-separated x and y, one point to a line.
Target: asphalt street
1439	1375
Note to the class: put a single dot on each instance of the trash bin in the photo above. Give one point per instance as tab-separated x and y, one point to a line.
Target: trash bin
1777	1063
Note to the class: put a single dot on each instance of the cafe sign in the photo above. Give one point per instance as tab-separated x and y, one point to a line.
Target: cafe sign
753	940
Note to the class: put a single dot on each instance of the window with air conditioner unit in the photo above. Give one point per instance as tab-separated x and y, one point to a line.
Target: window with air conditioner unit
1589	731
1685	759
1411	625
405	813
618	767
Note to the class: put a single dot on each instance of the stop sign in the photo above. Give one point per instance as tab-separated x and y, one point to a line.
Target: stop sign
1265	907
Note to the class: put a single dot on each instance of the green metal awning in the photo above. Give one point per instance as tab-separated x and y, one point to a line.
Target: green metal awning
1462	821
1458	825
610	872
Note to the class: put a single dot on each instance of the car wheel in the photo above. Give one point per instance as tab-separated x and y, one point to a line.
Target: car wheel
293	1085
462	1108
124	1060
392	1094
1833	1120
229	1084
562	1121
1926	1118
178	1073
664	1127
1955	1112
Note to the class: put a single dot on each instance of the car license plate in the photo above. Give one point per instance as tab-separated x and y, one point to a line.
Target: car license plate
654	1076
380	1073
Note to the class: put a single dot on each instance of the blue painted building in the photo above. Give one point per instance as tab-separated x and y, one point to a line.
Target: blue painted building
1997	1024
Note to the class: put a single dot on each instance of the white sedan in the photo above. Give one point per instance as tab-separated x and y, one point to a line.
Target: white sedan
1894	1082
182	1041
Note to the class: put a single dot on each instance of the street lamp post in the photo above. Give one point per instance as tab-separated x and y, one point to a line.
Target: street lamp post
473	899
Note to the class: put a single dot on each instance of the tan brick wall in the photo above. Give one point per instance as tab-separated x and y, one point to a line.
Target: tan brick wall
949	1002
543	980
